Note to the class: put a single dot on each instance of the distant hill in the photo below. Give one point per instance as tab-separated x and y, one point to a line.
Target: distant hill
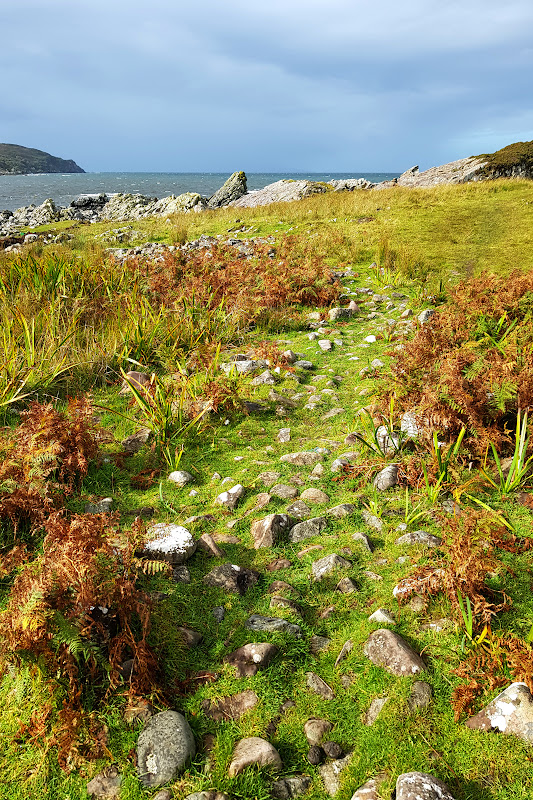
18	160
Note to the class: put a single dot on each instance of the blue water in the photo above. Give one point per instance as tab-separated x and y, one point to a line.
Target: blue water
22	190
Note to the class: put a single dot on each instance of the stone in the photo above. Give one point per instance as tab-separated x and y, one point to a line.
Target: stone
319	687
304	364
106	784
383	617
281	586
293	786
316	755
271	530
241	367
218	612
261	501
137	380
325	345
343	510
425	315
387	441
309	549
281	191
189	637
307	529
266	378
278	563
259	623
334	412
211	794
387	478
249	658
372	576
101	507
335	314
363	539
510	712
232	578
299	509
420	537
230	498
371	520
233	707
284	435
421	786
409	425
331	774
346	586
181	477
327	565
207	544
387	649
181	574
333	750
313	496
374	710
315	729
284	492
306	458
164	794
269	478
420	697
346	649
317	472
283	602
233	189
172	543
318	643
377	363
253	751
289	356
164	747
345	460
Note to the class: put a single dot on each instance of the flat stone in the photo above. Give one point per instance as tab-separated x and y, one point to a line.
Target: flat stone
382	616
230	707
106	784
309	549
180	477
334	412
313	495
261	501
232	578
212	794
425	315
277	564
266	378
510	712
368	791
230	498
293	786
343	510
372	576
387	649
284	492
420	537
305	458
317	472
304	364
327	565
181	574
325	345
282	602
253	752
374	710
281	586
169	542
346	649
335	314
164	747
242	367
257	622
420	786
249	658
387	478
307	529
318	686
271	530
164	794
315	729
331	774
299	509
420	697
269	478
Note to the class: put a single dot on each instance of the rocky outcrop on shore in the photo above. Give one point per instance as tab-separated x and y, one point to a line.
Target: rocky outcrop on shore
283	191
461	171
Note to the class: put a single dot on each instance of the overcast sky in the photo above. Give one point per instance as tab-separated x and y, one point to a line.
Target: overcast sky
265	86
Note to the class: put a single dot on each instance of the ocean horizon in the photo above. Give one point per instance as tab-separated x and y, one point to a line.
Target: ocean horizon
24	190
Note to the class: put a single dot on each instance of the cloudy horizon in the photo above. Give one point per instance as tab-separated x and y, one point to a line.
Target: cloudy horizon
293	86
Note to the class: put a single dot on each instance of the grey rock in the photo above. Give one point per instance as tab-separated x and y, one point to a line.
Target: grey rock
363	540
137	440
371	520
281	191
284	435
343	461
334	412
368	791
333	750
346	649
211	794
233	707
163	748
306	458
307	529
169	542
257	622
101	507
233	189
293	786
241	367
284	492
304	364
266	378
283	602
510	712
271	530
318	643
136	379
181	574
106	784
164	794
420	786
383	617
327	565
377	363
420	537
346	586
387	441
420	697
269	478
249	658
230	498
299	509
315	729
343	510
189	637
325	345
181	477
253	752
387	649
232	578
409	425
425	315
207	544
374	710
313	495
331	774
219	612
335	314
387	478
289	356
318	686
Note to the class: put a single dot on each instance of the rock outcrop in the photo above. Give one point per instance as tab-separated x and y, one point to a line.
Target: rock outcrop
234	188
283	191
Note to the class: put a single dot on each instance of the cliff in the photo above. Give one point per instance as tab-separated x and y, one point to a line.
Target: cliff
18	160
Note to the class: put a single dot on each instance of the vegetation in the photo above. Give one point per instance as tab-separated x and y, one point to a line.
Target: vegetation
18	160
91	629
515	159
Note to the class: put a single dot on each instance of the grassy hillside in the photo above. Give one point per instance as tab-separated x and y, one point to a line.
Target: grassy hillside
18	160
74	320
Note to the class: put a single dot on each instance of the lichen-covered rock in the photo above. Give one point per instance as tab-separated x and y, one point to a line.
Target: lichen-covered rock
230	707
283	191
331	774
307	529
510	712
420	786
234	188
163	749
258	622
327	565
169	542
306	458
232	578
387	649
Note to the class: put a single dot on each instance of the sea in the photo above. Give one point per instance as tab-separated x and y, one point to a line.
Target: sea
23	190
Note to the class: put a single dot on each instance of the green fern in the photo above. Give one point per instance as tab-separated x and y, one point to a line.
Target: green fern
68	635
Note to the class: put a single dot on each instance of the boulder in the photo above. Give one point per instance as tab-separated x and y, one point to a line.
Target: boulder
234	188
233	707
253	751
172	543
283	191
387	649
269	531
307	529
164	747
420	786
510	712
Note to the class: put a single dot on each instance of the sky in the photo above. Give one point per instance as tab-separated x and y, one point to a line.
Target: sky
265	86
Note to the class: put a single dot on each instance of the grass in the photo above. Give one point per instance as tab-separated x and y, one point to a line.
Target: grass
419	238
